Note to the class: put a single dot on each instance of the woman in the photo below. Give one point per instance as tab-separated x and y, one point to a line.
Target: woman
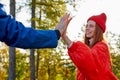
92	58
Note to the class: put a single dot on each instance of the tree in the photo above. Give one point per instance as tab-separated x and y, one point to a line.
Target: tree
47	15
32	57
12	56
4	58
22	65
114	44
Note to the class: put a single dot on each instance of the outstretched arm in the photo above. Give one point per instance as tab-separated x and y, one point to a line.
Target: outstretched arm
67	40
15	34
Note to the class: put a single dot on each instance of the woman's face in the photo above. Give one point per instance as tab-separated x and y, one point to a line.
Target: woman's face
90	29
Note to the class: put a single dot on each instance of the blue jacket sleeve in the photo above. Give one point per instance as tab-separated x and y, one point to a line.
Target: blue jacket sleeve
15	34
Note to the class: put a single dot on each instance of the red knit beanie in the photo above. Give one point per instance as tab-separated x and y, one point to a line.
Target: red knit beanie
100	20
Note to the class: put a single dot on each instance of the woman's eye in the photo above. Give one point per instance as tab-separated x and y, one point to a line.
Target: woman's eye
91	26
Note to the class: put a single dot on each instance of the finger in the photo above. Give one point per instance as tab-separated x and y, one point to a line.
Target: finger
69	19
63	17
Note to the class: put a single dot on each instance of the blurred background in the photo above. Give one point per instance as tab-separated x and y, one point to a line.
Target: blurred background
55	64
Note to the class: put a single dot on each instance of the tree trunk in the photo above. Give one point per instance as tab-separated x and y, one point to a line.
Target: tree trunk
32	57
32	65
12	54
37	64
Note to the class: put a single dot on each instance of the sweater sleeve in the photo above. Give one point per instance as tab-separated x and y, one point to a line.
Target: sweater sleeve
81	56
15	34
101	55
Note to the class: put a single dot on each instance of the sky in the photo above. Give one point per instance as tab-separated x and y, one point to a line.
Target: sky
85	9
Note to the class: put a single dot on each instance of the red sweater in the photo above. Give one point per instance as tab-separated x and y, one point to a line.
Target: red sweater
92	63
